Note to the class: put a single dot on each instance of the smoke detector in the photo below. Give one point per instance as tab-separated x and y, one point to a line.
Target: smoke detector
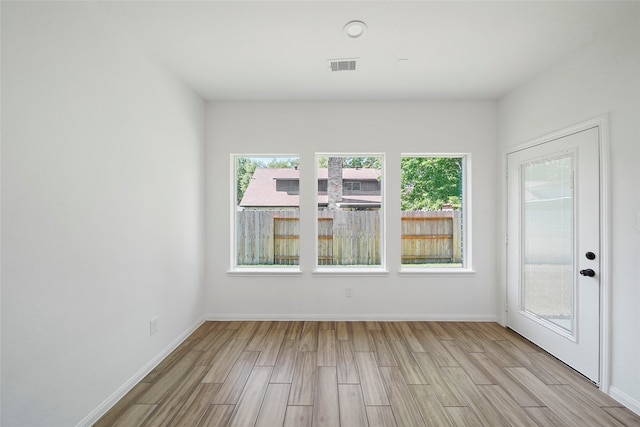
354	29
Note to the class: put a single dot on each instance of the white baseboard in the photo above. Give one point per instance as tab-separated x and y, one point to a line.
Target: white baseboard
137	377
359	317
625	399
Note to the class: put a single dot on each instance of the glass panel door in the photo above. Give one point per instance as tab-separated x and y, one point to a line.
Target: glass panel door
553	271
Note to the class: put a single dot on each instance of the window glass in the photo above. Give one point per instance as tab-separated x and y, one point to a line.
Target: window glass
350	210
352	186
548	275
266	211
433	211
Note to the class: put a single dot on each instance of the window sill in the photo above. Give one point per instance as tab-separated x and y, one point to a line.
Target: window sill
274	271
417	271
346	271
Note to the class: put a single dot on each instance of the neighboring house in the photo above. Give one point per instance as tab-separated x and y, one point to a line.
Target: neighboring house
280	189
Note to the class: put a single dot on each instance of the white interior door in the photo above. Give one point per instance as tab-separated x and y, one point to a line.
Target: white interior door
553	292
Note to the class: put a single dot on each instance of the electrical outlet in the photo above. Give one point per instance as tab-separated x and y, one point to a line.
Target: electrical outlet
153	326
348	292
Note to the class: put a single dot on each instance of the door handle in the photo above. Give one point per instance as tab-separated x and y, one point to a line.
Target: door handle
588	272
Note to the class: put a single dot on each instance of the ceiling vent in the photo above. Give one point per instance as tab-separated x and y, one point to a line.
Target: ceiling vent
351	64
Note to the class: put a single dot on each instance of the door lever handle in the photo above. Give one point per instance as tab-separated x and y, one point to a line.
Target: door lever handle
588	272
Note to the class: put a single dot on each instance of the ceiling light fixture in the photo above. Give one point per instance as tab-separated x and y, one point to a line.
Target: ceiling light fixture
354	29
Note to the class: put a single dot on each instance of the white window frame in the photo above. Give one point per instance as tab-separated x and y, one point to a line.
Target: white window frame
467	264
236	269
360	270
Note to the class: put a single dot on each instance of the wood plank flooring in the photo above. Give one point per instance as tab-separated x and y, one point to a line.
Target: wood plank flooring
373	374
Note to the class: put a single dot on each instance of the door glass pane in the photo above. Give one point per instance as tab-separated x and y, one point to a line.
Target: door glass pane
548	277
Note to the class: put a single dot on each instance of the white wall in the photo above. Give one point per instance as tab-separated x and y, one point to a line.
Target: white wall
602	79
389	127
102	189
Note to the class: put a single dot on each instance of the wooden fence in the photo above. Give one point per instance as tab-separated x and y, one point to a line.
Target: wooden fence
431	237
346	237
349	237
256	238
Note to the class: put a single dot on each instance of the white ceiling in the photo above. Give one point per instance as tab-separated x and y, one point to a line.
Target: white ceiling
414	50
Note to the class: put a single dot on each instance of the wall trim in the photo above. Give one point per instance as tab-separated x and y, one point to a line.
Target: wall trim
358	317
137	377
625	399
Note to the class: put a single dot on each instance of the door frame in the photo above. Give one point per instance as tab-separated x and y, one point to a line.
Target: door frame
602	123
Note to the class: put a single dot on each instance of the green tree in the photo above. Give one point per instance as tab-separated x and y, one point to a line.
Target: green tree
362	162
244	171
353	162
284	163
430	182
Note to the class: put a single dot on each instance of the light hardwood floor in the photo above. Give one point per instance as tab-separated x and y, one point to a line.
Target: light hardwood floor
363	374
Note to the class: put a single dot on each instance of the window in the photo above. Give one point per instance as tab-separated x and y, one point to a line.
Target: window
435	212
291	186
266	212
350	227
352	186
349	221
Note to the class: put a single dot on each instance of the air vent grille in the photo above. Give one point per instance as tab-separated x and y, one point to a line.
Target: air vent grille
343	64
